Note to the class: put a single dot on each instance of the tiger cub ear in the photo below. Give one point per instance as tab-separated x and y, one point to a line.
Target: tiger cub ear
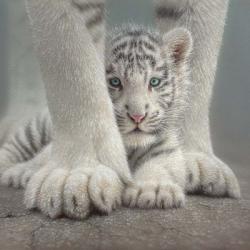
178	45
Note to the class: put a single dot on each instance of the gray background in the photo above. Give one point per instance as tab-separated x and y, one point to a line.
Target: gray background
21	89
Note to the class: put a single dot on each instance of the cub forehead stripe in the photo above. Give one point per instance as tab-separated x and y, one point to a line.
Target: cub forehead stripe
130	35
119	47
152	38
146	57
121	56
133	43
149	46
134	52
139	58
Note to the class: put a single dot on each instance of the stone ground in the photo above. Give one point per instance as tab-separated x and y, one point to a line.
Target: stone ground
205	223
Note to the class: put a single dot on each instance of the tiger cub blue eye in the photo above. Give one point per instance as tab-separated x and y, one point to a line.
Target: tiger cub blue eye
154	82
115	82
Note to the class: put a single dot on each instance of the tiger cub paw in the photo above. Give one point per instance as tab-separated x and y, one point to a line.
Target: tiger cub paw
154	195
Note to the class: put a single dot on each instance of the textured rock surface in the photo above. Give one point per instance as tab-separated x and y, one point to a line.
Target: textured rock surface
205	223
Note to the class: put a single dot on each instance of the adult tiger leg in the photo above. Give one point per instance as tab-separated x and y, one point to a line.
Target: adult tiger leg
206	20
88	163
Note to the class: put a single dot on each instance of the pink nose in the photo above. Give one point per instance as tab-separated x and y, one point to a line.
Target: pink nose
137	118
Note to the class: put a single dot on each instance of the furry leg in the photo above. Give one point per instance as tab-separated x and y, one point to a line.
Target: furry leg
87	149
205	20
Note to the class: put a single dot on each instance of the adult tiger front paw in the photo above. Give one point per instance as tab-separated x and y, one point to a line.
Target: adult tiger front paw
60	191
154	195
207	174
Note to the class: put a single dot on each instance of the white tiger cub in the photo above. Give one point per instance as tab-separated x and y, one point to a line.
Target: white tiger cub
148	76
148	80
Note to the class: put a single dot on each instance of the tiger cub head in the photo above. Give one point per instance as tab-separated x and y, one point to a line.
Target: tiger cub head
148	80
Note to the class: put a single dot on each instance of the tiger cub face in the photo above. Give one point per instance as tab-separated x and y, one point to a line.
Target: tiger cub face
148	81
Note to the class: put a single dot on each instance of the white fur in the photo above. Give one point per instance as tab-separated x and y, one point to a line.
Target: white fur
85	133
212	175
158	183
19	175
172	182
206	20
72	192
69	177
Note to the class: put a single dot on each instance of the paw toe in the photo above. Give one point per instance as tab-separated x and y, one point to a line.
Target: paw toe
76	198
50	200
179	197
26	177
11	177
105	189
130	196
146	199
232	185
170	196
164	198
33	188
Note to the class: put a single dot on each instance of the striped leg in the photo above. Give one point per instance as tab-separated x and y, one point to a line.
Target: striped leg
19	175
32	137
25	143
205	19
88	158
